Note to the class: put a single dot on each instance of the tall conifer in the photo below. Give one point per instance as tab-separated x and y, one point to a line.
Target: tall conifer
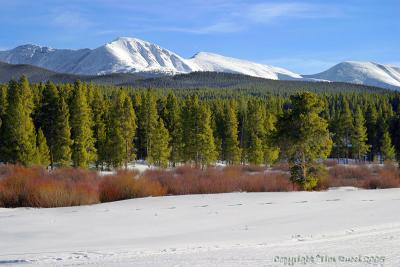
63	142
83	150
160	150
43	153
359	137
231	149
19	137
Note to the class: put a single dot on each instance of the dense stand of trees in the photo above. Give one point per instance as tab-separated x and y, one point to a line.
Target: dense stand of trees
85	125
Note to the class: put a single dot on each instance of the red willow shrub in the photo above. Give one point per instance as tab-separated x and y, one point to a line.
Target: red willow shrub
188	180
126	185
36	187
363	176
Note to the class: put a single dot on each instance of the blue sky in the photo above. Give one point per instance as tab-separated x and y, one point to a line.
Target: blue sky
302	36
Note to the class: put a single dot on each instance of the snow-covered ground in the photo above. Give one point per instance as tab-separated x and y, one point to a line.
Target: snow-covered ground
236	229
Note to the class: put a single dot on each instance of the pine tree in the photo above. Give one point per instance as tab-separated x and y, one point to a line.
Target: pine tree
303	136
271	152
198	139
218	127
63	142
371	123
173	123
3	101
83	150
99	109
160	150
359	136
255	154
231	149
3	112
19	137
148	120
128	129
47	117
121	130
388	151
43	153
206	152
345	130
255	132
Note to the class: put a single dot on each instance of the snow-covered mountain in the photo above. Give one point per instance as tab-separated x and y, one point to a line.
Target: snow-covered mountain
131	55
218	63
123	55
60	60
368	73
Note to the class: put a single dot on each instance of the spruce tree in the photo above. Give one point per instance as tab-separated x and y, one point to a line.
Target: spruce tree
128	129
3	112
173	123
271	151
218	127
160	150
371	123
99	107
206	152
345	130
231	149
83	150
198	139
359	136
3	101
388	151
255	132
47	117
255	154
63	142
303	136
148	119
121	130
43	153
19	137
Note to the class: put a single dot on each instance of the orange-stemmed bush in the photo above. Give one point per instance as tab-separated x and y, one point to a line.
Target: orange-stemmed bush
36	187
187	180
126	185
363	176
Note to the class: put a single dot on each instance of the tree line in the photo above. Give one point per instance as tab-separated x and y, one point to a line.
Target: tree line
85	125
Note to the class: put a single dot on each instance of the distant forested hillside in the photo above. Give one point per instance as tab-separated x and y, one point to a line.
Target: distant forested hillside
242	84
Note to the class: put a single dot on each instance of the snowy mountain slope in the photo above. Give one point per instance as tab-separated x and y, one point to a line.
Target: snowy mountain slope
368	73
59	60
214	62
236	229
123	55
128	55
132	55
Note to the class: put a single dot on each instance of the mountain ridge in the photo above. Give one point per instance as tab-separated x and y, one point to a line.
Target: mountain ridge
133	55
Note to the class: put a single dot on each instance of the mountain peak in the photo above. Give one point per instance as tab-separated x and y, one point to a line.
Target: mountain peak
33	47
362	72
128	39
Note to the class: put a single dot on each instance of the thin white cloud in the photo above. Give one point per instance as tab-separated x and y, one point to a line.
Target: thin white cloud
219	27
267	12
71	20
238	16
